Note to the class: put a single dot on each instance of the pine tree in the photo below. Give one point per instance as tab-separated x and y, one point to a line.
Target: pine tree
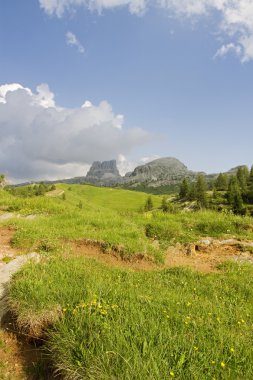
250	187
242	177
192	192
184	189
201	188
221	182
234	196
149	204
251	173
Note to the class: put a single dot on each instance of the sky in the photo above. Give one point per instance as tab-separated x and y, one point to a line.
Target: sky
132	80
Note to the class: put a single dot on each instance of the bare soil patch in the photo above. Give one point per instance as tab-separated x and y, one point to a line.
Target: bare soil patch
21	358
206	258
202	258
94	250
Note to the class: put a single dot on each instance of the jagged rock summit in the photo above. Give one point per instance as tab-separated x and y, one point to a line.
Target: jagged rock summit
162	171
105	172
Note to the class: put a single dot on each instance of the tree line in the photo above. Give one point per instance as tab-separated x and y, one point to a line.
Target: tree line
236	190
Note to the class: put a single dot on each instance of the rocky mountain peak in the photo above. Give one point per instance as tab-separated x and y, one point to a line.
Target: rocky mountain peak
168	170
102	172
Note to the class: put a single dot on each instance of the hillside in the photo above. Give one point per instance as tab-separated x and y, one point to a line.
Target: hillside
117	289
111	291
161	176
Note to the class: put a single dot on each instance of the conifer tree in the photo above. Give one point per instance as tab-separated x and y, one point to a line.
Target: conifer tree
251	172
149	204
242	177
184	189
234	195
250	187
221	182
201	188
192	192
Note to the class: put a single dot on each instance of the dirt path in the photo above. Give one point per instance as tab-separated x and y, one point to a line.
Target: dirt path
18	358
55	193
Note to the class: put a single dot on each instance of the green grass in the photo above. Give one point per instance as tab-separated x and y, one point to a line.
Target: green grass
117	324
116	217
104	323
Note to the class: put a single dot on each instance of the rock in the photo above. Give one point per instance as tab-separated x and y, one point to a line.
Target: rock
205	242
6	216
228	242
103	173
163	171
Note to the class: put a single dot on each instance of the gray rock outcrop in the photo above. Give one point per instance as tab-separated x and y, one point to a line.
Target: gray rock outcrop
103	173
163	171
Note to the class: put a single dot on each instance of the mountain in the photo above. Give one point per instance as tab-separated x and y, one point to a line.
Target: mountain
160	172
103	173
160	176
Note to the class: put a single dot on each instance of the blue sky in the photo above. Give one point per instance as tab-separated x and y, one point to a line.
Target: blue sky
182	76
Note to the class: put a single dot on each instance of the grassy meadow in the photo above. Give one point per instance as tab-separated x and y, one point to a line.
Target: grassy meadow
109	323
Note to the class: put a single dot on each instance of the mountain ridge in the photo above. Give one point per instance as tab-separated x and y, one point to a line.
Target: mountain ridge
165	172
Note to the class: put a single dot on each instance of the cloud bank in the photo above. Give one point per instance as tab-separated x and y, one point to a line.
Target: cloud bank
40	140
235	17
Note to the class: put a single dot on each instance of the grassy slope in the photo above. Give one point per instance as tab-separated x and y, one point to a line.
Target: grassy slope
114	216
117	324
126	325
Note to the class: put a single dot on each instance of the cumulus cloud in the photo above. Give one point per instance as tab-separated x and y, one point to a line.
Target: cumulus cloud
40	140
235	25
72	40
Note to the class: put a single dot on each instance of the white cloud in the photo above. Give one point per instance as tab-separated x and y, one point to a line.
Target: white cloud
235	25
40	140
59	7
229	48
5	88
146	160
71	40
124	165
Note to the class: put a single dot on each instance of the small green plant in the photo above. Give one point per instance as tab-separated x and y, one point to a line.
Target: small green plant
149	204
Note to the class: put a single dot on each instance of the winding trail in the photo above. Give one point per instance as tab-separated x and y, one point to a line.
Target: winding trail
17	356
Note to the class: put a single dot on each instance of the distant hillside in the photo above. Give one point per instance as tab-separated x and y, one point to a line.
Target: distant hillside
160	176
